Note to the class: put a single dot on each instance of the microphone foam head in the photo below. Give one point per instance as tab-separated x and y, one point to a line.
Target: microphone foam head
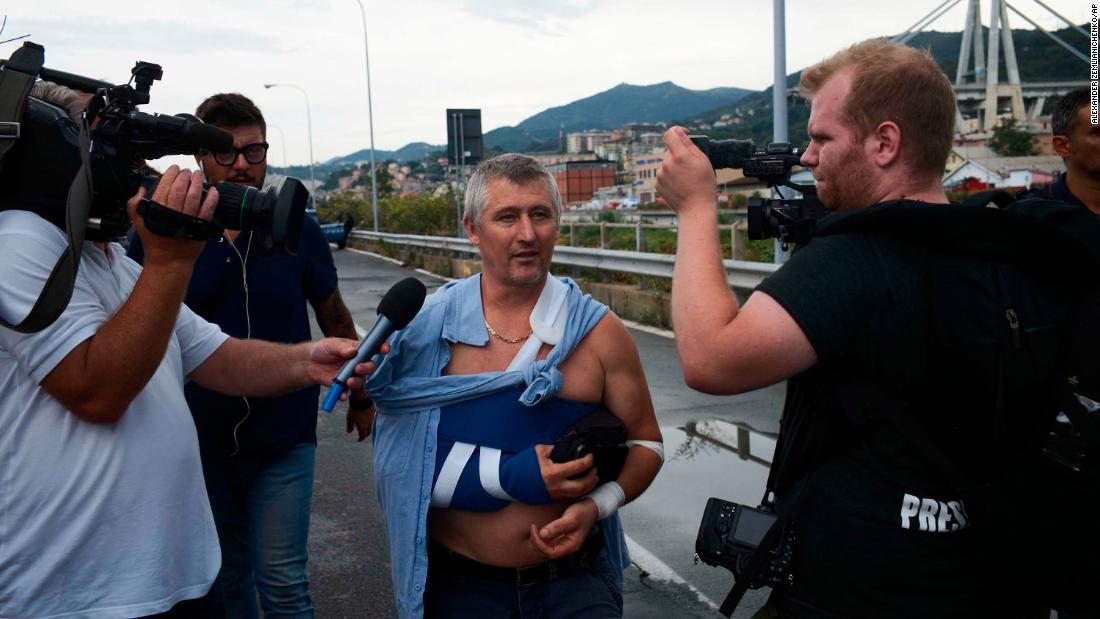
402	301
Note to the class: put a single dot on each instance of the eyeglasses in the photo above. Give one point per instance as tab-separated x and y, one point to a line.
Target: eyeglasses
253	153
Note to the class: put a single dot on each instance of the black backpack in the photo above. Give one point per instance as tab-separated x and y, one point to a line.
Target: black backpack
1014	339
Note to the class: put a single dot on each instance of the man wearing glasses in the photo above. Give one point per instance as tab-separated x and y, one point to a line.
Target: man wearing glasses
258	453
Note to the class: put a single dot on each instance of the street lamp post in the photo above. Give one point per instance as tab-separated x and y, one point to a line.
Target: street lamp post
779	91
309	127
370	118
282	142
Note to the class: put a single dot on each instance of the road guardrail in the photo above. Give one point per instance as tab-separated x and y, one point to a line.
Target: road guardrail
740	274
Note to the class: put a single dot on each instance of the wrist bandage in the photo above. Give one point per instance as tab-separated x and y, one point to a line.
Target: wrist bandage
608	497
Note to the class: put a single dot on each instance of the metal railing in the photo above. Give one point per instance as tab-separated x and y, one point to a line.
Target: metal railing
739	273
736	233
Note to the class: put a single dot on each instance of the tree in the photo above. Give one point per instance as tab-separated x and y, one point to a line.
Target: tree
333	180
1011	141
385	181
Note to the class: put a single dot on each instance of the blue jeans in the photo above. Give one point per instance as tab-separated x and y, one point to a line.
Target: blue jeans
261	509
589	593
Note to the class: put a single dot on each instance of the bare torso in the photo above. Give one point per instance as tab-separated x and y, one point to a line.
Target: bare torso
503	537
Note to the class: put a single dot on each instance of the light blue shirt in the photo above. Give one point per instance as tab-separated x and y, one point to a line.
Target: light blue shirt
409	389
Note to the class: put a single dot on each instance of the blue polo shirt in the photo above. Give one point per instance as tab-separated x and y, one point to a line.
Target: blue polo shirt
279	286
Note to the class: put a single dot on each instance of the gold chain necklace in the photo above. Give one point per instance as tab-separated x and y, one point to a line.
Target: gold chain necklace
510	340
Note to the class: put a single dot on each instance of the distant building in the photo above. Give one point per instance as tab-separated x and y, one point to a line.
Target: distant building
651	139
547	160
579	180
733	182
982	171
631	132
411	185
587	141
645	175
614	193
630	158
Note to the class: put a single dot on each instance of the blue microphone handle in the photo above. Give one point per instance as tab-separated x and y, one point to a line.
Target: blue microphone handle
368	347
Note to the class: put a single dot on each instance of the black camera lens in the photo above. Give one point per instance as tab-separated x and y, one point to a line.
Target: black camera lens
730	153
279	209
724	153
759	219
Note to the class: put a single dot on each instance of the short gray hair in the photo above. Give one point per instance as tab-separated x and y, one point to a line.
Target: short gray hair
514	167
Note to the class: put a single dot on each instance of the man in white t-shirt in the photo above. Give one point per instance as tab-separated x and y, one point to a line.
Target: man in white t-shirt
103	511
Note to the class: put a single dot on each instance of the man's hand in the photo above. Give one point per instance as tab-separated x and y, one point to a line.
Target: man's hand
557	476
566	535
686	178
327	356
179	190
361	419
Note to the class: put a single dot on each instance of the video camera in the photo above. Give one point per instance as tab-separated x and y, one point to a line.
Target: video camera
47	156
786	219
79	176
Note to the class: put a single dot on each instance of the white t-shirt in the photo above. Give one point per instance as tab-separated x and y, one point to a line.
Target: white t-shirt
96	520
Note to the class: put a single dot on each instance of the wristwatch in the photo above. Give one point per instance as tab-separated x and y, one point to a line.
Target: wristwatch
360	405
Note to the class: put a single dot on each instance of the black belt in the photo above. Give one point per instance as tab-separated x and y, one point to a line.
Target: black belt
441	556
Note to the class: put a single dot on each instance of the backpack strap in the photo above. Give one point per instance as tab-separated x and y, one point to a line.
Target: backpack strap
58	290
17	77
758	561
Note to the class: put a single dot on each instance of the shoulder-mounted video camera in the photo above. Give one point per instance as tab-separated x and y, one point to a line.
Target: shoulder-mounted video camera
791	220
80	175
46	156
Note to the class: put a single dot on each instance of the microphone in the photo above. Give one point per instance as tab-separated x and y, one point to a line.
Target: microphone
396	310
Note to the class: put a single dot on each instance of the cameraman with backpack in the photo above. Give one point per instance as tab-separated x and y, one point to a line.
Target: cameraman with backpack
920	340
104	509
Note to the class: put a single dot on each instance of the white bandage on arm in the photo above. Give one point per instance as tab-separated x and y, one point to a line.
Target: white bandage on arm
608	497
657	447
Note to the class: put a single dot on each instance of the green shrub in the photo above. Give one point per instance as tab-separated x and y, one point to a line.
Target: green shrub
423	214
762	250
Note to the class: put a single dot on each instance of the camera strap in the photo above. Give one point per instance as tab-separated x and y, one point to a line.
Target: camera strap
752	569
164	221
759	559
17	77
55	295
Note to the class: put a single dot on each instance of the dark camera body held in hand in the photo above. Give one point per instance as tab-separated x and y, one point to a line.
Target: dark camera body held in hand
601	434
789	220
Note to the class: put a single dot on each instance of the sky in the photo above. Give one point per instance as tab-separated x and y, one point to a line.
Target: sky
511	59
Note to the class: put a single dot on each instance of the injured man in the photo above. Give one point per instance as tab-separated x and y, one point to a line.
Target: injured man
514	419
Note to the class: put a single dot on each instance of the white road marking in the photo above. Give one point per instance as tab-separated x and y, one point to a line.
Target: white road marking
648	329
379	256
658	570
435	275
